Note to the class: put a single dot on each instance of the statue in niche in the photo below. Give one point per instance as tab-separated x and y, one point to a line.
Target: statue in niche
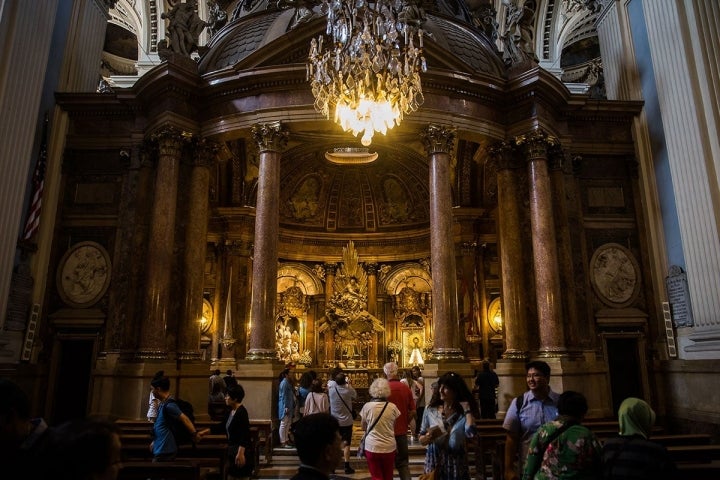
346	315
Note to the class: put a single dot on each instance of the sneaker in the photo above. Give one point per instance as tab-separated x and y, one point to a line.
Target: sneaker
349	469
288	446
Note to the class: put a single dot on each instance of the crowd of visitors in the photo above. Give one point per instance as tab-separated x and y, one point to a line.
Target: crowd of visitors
545	435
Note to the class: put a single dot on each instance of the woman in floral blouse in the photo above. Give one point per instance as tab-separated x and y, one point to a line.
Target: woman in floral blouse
448	421
562	448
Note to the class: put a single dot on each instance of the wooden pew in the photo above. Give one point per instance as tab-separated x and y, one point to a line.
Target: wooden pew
261	432
694	454
143	470
699	471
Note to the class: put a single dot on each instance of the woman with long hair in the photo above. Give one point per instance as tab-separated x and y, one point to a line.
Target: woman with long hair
448	421
378	422
317	400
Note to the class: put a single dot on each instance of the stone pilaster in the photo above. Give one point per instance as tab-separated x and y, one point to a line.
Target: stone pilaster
515	324
438	144
160	245
195	249
545	255
271	140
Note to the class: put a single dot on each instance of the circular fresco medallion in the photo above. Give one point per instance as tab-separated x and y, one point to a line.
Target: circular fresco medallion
84	274
615	275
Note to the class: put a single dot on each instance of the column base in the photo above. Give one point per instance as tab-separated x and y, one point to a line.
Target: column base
260	354
515	355
151	354
448	354
189	355
552	352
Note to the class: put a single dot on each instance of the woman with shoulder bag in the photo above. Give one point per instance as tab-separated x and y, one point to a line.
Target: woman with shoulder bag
317	400
377	419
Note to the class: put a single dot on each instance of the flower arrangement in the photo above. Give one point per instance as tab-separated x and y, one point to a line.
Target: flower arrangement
394	346
305	358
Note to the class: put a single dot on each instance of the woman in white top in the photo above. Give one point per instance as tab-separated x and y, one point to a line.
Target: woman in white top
153	404
317	400
380	447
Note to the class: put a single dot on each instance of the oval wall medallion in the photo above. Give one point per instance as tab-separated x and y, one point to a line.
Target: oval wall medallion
615	275
83	275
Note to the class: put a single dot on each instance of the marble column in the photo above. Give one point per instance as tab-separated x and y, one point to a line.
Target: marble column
438	144
160	245
512	271
560	169
372	303
482	298
271	139
124	316
330	269
545	252
195	250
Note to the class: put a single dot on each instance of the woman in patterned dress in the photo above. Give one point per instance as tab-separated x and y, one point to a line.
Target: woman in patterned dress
448	421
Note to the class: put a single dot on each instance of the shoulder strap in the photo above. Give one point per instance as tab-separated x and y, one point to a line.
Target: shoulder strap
376	420
551	438
342	400
520	402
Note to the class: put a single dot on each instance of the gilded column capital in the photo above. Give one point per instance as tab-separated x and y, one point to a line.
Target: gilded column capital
438	139
169	140
537	143
270	136
330	268
557	159
205	153
504	155
371	269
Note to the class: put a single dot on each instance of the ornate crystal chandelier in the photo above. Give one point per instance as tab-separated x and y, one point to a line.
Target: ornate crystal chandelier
370	75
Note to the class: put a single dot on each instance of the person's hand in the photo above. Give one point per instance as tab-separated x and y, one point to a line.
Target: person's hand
240	459
465	406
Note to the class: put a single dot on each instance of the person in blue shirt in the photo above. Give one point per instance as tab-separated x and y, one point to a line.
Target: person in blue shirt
286	406
537	406
164	445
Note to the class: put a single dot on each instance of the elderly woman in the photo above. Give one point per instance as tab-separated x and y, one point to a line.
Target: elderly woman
632	455
378	421
449	419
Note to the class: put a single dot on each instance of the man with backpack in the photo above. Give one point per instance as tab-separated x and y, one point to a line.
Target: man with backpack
526	414
173	426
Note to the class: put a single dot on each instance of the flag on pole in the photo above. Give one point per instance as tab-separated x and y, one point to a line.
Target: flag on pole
32	224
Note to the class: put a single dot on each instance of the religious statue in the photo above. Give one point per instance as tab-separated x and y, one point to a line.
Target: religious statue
184	28
519	36
346	315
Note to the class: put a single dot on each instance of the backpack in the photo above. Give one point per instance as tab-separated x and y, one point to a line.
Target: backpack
177	427
519	403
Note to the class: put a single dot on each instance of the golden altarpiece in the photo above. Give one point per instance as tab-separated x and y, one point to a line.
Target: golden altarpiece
231	238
